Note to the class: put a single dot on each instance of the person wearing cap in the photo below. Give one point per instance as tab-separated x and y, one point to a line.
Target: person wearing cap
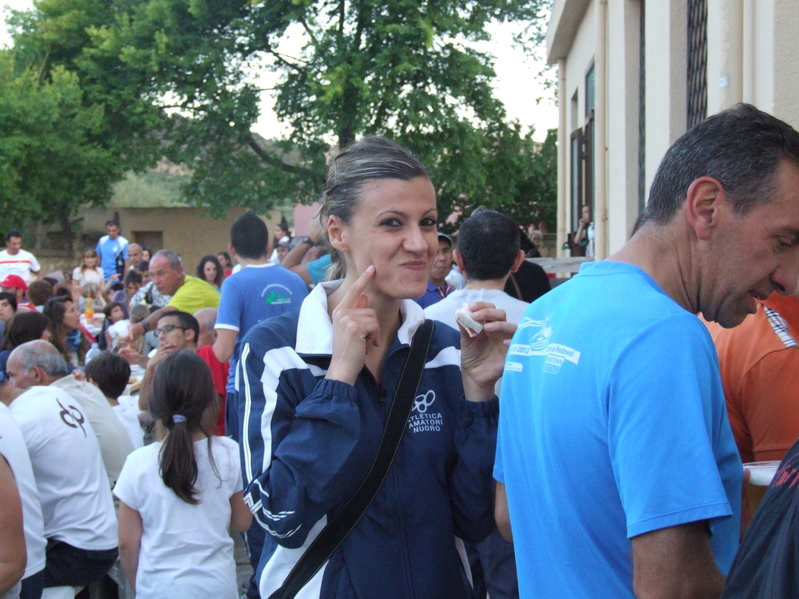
282	248
17	286
16	261
437	286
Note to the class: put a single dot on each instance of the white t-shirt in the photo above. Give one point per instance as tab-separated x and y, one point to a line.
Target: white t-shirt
12	448
111	434
89	275
23	264
130	420
184	546
444	311
77	505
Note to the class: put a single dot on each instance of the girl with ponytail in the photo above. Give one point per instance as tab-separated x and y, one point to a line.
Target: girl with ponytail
179	497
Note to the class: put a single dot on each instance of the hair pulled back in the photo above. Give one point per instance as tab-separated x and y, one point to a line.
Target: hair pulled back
366	160
182	386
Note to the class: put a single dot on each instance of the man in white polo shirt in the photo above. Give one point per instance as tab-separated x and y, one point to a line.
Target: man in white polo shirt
78	510
15	454
16	261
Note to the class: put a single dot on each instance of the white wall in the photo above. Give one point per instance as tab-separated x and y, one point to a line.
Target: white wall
666	59
786	67
622	119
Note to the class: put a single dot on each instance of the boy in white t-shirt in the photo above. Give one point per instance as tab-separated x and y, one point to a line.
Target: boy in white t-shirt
110	373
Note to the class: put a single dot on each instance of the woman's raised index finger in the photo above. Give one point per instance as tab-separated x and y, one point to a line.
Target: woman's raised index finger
354	292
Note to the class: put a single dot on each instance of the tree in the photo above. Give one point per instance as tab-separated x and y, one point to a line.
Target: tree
49	163
401	68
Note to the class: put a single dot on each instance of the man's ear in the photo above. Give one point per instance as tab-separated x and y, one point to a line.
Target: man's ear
337	234
456	256
518	262
704	205
38	375
232	251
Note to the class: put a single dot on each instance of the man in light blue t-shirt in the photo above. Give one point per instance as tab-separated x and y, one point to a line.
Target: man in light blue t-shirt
617	471
112	250
258	291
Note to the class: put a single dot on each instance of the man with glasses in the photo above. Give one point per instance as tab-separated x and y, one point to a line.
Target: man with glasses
175	331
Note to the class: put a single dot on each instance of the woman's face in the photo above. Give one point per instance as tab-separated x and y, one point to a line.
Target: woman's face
145	255
132	289
223	261
209	270
90	260
394	228
71	316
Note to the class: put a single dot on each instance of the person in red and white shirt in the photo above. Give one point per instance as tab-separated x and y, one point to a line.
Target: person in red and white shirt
16	261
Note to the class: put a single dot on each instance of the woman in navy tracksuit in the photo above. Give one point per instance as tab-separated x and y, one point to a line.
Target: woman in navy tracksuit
316	385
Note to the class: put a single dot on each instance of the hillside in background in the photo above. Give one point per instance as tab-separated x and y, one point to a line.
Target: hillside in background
157	188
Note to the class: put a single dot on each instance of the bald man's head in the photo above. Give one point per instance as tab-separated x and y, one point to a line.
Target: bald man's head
35	363
207	319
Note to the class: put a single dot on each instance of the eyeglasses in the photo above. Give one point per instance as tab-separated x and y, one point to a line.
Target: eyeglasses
168	328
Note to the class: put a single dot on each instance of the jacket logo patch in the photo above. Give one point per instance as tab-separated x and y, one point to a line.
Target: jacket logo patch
422	420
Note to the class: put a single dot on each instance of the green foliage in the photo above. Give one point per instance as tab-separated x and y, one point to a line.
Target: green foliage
172	78
153	189
50	161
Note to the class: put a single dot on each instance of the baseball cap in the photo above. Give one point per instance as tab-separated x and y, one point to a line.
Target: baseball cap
14	281
445	236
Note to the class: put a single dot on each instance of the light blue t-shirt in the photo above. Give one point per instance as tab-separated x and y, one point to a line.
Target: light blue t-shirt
253	294
612	424
108	249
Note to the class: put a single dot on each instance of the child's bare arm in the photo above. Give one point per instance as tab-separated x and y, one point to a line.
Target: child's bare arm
240	515
130	530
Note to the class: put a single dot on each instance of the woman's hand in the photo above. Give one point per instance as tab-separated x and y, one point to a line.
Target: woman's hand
355	330
483	356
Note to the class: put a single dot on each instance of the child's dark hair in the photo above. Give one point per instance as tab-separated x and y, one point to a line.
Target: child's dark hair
109	307
182	392
110	372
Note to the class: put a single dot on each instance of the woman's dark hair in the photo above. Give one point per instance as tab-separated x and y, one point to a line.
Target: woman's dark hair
366	160
226	256
54	309
183	386
201	269
143	266
24	326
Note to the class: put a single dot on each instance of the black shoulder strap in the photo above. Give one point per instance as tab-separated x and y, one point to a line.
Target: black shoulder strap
334	533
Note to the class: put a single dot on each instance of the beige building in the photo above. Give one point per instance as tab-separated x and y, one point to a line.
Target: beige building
634	75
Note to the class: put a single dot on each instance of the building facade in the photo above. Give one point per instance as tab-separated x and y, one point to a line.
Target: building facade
634	75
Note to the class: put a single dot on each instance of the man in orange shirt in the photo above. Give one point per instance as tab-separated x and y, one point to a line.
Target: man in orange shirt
760	372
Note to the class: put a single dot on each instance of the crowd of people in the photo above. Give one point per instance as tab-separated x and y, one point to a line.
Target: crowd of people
336	398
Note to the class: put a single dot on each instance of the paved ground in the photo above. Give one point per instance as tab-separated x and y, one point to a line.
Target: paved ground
243	568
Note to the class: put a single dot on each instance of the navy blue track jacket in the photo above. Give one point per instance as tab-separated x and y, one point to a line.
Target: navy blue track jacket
308	443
